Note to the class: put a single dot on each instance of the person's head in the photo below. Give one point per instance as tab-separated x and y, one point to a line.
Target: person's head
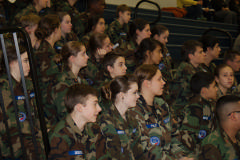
210	46
96	24
224	76
124	13
49	25
149	52
124	89
100	45
65	20
96	6
228	110
83	99
192	52
13	61
149	78
41	4
160	33
203	83
30	22
114	64
232	58
139	29
74	54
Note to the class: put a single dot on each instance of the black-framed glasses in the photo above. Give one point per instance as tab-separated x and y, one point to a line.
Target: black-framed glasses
233	112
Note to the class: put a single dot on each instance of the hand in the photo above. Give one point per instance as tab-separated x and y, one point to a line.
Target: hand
101	52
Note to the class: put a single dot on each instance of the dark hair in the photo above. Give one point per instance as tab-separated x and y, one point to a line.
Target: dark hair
200	80
137	24
92	22
76	94
95	42
61	15
90	2
230	55
147	44
224	101
47	26
145	72
219	68
208	41
70	49
109	60
158	29
189	47
117	85
122	8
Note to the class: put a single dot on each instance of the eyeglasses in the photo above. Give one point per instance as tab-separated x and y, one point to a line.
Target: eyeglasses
233	112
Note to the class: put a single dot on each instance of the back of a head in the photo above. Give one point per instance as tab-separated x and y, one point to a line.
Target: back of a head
158	30
189	47
139	24
200	80
76	94
208	41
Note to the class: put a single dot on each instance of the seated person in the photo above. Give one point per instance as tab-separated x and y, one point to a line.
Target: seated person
71	138
194	8
212	49
198	119
119	28
224	142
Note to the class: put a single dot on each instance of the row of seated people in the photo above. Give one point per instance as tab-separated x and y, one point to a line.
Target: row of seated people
161	126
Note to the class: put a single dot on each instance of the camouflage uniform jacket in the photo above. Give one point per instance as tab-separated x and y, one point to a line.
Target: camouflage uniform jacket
29	9
211	68
157	131
180	88
23	118
198	122
118	33
84	16
85	39
64	6
56	110
59	44
120	138
219	146
67	142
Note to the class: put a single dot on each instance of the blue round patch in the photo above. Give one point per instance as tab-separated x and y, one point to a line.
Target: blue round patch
155	141
21	116
202	134
161	66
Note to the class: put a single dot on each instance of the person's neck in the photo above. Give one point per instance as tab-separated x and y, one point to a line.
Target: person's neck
75	70
208	60
50	40
148	97
138	41
38	8
122	109
231	131
63	35
16	76
120	21
148	61
78	120
223	90
72	2
195	65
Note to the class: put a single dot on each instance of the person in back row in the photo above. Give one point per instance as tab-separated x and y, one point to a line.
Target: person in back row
224	142
73	137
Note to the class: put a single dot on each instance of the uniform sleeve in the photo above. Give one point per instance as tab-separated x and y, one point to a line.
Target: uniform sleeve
210	152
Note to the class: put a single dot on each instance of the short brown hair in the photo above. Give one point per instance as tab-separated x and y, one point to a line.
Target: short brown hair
230	55
189	47
122	8
29	20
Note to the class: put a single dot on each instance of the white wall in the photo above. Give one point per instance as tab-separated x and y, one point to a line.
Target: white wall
132	3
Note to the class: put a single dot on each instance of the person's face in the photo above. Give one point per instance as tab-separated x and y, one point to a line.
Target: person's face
215	51
145	33
100	26
91	109
99	7
211	91
14	66
198	57
130	98
66	25
163	38
107	45
235	64
225	77
119	68
157	84
81	59
156	55
125	16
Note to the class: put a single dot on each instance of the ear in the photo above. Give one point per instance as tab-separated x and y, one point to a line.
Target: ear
216	79
138	31
78	107
203	91
71	58
28	29
156	36
146	83
110	69
233	117
120	14
190	56
209	49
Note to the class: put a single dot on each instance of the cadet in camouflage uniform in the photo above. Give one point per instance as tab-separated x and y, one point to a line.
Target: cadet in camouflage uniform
154	119
212	49
71	52
72	137
199	117
13	136
193	56
120	137
224	143
119	29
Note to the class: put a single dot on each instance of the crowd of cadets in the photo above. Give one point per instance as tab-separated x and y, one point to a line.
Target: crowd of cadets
95	110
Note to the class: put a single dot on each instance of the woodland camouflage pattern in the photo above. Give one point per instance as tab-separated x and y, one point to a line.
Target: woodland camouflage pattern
69	37
24	121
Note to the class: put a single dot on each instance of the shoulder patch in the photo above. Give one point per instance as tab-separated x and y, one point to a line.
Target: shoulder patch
155	141
202	134
22	116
